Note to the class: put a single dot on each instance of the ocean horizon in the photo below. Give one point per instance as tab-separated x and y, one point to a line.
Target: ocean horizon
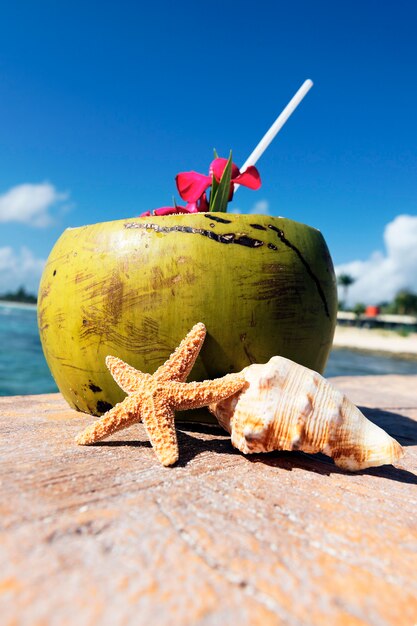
24	371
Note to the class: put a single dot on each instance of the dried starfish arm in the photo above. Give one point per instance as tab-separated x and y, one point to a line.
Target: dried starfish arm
196	395
158	419
119	417
154	399
181	361
127	377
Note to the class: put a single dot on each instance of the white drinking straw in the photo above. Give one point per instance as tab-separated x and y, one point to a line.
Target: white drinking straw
277	125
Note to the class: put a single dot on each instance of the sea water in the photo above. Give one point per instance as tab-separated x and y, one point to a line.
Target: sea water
23	369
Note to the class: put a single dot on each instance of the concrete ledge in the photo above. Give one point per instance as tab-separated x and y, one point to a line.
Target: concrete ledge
104	535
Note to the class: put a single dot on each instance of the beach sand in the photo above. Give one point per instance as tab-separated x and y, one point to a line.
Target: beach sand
375	340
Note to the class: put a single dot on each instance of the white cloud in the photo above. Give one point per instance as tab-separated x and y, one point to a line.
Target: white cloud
259	208
383	274
30	204
19	268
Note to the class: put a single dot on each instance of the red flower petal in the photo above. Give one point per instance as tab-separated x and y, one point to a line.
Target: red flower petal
166	210
217	168
203	204
249	178
146	214
192	185
190	207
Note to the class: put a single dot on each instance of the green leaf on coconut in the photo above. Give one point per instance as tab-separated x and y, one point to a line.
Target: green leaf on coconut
214	183
220	193
214	188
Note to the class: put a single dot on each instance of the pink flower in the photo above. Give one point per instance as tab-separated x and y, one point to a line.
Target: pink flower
202	203
192	185
167	210
191	207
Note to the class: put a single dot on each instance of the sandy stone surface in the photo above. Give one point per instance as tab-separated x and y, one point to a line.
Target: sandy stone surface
105	535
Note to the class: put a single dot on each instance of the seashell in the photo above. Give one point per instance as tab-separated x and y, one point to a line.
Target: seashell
286	406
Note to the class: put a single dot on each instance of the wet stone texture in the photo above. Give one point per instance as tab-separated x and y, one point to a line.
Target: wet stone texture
105	535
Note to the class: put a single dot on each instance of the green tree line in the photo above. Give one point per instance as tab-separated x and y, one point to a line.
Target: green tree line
404	303
20	295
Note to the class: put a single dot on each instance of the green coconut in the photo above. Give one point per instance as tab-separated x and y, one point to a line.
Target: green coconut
133	288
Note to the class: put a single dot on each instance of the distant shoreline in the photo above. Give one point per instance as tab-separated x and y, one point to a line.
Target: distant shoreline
386	342
11	304
376	340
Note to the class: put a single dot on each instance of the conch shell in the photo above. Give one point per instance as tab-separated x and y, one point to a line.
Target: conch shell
286	406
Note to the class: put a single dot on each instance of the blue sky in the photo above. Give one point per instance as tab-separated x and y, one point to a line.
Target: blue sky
108	101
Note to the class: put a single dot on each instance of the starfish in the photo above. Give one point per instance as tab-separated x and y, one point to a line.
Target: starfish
154	399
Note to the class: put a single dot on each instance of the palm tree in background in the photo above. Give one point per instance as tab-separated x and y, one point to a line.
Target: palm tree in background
345	281
405	302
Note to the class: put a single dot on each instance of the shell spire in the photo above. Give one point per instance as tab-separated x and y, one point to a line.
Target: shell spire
285	406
